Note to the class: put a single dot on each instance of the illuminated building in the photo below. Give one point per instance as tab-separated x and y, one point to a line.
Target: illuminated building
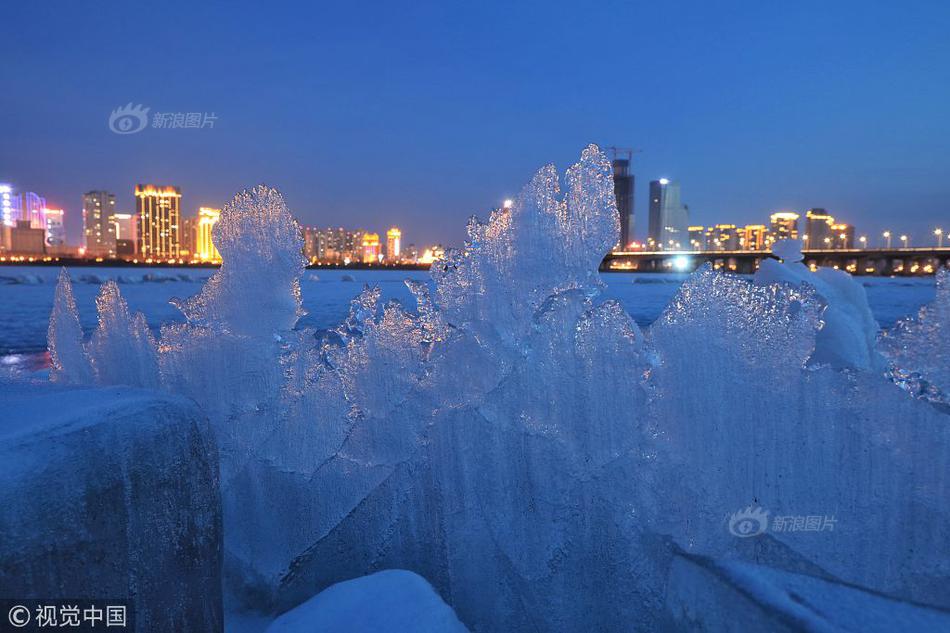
818	223
204	247
7	210
784	225
722	237
623	191
754	237
370	248
98	211
431	254
159	213
187	237
31	207
125	226
54	228
669	219
393	243
697	238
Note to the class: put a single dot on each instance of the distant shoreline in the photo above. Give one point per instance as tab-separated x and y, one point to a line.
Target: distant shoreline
122	263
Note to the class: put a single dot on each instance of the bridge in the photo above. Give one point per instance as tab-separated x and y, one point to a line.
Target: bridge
857	261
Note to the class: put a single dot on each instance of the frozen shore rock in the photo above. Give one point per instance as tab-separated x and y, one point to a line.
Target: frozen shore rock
111	494
394	600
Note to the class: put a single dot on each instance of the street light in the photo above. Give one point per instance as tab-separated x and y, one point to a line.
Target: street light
887	236
864	241
939	234
904	240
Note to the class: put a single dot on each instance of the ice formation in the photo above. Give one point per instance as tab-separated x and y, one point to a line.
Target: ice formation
848	336
919	347
519	442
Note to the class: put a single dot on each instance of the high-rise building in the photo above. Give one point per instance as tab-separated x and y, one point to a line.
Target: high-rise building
818	231
623	191
55	228
669	219
7	210
393	244
31	207
370	248
98	211
159	212
204	246
126	234
723	237
754	237
784	225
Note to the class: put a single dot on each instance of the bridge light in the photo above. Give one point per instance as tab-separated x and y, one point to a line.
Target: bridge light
681	263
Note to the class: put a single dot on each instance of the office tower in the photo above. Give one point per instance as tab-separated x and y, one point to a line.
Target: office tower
669	219
784	225
624	191
393	244
697	238
126	234
159	213
53	224
754	237
818	231
204	245
98	211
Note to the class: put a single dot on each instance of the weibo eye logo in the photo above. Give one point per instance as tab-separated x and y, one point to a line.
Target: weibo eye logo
749	522
128	119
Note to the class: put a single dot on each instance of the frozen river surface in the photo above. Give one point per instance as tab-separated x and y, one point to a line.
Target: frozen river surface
26	296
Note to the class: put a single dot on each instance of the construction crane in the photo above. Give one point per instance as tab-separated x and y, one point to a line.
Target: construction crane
620	151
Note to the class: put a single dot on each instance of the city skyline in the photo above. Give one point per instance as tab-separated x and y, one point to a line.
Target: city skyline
351	123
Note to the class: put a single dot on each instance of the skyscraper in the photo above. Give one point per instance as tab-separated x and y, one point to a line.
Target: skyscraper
623	190
159	211
98	221
204	247
393	244
669	219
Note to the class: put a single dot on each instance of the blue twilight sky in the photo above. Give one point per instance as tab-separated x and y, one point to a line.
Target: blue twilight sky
420	114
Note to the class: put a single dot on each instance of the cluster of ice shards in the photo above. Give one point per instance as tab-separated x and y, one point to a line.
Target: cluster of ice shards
919	347
121	351
518	441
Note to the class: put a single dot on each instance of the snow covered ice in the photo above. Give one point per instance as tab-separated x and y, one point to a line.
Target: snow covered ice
520	442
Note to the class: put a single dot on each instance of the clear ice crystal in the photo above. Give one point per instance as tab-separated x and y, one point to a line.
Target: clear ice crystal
919	347
68	359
